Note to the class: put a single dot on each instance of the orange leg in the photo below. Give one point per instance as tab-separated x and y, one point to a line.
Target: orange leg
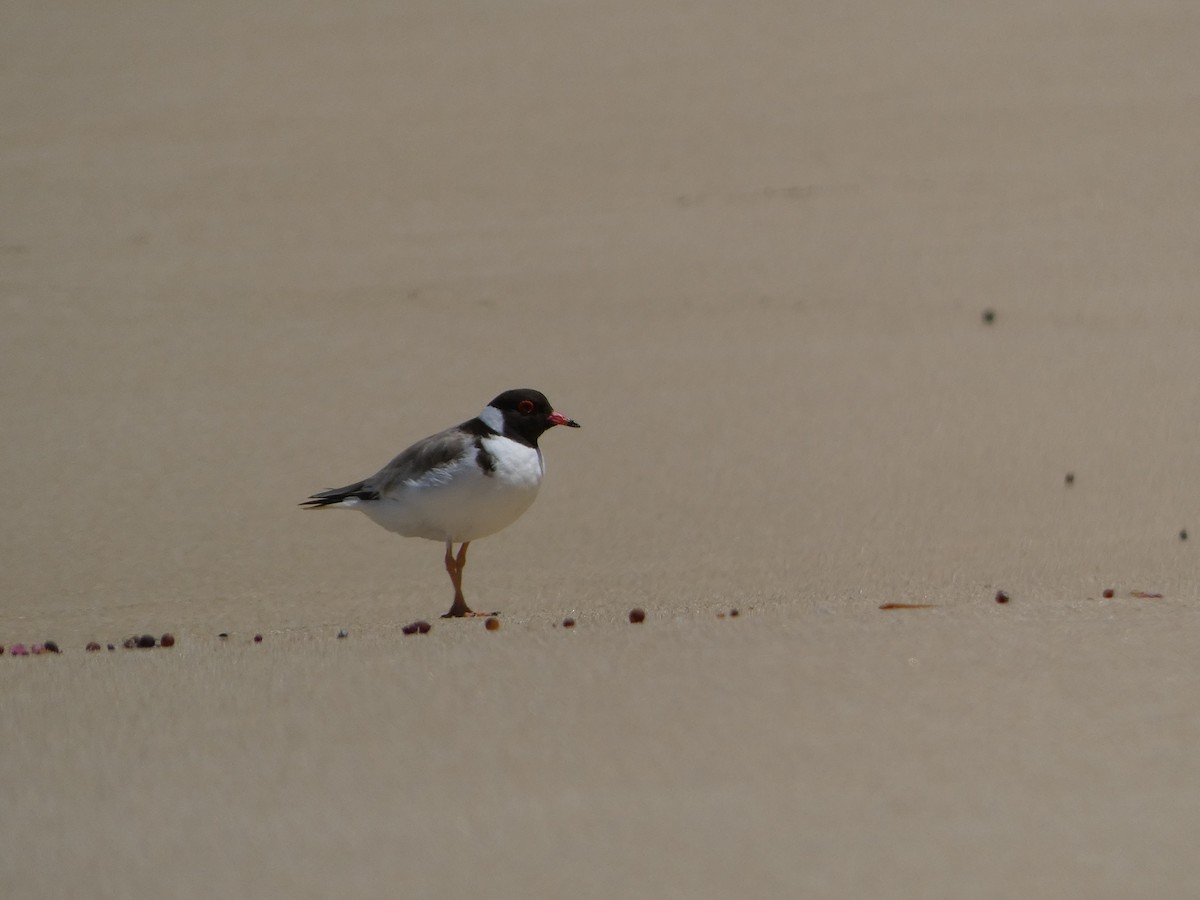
454	567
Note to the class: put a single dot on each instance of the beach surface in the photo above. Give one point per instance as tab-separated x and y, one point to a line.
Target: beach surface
857	305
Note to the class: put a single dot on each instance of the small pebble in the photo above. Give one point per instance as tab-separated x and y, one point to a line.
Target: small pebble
637	616
423	627
18	650
492	623
420	627
1183	535
223	635
111	647
342	632
1001	597
1070	479
733	614
130	643
51	647
989	316
37	649
1	649
258	639
568	622
1108	593
92	647
167	640
146	641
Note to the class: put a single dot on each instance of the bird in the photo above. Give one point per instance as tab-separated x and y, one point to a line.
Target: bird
461	484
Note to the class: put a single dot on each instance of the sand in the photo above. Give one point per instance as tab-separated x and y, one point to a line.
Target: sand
250	251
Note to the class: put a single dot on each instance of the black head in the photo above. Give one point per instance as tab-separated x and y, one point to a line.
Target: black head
528	414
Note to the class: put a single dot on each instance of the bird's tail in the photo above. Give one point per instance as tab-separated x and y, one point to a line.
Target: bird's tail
334	496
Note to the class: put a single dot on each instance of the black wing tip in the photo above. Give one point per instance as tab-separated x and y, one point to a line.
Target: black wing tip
337	495
317	503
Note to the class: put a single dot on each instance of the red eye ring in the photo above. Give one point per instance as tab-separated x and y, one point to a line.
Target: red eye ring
525	407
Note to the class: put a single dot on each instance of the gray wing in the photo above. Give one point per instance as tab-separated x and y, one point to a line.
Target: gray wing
434	452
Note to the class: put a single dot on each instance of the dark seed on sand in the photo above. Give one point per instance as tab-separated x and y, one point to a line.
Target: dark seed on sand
1001	597
637	616
1108	593
733	614
51	647
258	639
111	647
1070	479
223	635
146	641
342	632
420	627
989	316
492	623
92	647
423	627
568	622
1183	535
167	640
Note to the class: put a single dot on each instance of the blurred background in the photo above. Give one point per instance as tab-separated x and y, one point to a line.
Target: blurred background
842	293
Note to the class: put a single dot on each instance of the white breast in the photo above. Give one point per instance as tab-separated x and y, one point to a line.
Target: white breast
462	502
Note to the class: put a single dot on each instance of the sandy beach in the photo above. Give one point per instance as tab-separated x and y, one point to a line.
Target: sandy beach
251	251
